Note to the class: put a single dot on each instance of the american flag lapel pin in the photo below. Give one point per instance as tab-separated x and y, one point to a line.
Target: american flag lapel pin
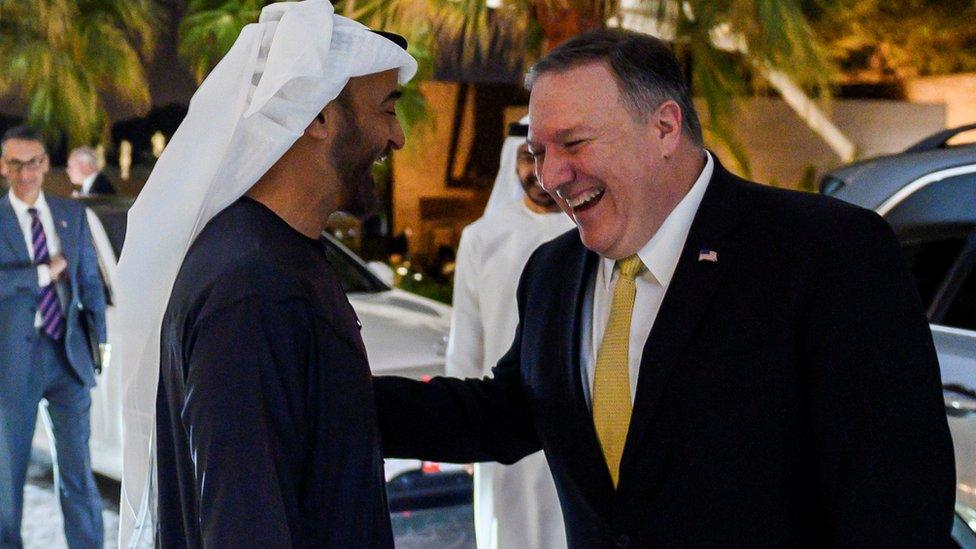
708	255
64	224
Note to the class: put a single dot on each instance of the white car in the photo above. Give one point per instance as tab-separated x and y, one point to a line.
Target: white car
405	334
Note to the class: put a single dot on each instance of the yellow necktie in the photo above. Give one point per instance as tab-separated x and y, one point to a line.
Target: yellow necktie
611	380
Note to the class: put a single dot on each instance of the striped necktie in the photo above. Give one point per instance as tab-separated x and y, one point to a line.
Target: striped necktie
52	317
611	380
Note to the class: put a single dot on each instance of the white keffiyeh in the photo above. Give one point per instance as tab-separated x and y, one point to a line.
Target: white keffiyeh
253	106
508	190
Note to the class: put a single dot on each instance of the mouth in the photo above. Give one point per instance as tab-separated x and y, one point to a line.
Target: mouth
382	157
585	200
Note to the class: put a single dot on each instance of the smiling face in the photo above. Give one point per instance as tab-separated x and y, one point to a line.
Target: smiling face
367	130
607	169
24	164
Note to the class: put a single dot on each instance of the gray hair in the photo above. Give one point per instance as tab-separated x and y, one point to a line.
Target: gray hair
645	68
87	154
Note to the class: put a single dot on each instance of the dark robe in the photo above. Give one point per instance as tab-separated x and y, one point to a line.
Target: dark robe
266	425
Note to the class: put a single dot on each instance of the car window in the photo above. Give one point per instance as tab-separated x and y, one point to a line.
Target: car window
946	202
962	311
929	259
354	277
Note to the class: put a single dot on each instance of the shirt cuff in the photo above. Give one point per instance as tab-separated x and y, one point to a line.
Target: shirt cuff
43	276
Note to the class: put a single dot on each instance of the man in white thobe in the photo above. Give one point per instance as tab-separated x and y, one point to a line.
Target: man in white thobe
515	506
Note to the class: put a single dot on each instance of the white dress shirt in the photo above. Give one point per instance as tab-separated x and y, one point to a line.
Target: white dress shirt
660	255
50	232
86	185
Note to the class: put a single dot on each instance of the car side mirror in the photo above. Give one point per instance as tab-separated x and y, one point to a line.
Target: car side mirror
382	271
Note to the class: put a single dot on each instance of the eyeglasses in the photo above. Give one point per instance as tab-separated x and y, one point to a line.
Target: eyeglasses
33	164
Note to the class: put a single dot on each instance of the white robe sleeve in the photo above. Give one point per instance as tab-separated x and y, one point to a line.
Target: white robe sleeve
466	344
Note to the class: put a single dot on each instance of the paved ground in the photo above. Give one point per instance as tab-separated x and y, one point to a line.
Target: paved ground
42	526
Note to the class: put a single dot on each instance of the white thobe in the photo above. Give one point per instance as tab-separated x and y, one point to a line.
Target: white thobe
515	506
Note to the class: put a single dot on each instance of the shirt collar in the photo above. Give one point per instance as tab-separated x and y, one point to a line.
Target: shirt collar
21	207
660	254
86	185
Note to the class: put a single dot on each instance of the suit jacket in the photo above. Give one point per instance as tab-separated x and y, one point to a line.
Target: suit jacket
19	292
101	185
788	395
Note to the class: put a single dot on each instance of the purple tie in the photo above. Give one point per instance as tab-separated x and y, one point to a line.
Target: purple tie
52	318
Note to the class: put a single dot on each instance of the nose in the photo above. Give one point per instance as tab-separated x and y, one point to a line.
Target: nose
553	170
397	139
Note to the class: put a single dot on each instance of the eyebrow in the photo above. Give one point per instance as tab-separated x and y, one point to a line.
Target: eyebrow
9	158
536	148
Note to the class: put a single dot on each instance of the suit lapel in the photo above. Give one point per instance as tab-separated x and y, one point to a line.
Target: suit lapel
10	228
66	232
689	294
581	265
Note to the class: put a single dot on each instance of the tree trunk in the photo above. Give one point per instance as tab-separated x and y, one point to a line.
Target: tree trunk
560	23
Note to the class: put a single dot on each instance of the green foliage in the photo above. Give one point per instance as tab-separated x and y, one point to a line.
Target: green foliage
774	33
210	28
878	39
62	57
428	287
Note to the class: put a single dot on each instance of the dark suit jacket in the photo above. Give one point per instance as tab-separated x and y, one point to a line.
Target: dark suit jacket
19	292
101	185
789	393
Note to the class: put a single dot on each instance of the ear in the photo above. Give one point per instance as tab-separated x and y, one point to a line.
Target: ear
320	127
666	124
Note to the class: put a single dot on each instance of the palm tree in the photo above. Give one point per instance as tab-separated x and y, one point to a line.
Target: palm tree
210	27
62	57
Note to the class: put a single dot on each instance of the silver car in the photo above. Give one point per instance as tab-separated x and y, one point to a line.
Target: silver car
928	195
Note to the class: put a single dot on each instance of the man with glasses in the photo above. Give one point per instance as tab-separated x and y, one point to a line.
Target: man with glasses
48	276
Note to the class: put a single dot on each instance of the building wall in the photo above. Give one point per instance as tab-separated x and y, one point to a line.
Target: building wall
956	91
420	169
780	147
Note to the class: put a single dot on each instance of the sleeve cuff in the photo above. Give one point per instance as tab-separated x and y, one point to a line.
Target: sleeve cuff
43	276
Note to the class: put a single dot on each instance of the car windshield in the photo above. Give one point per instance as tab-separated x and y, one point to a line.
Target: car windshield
353	275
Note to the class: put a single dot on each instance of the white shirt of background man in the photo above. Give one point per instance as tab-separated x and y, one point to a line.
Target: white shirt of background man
50	233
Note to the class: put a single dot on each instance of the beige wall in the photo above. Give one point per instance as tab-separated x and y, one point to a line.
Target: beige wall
419	169
780	146
956	91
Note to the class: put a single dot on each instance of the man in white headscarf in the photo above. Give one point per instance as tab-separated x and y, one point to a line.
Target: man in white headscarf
515	506
263	431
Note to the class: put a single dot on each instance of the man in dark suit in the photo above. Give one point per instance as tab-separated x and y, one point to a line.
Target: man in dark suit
83	172
48	275
705	361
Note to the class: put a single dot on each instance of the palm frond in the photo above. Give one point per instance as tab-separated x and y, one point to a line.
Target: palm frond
63	56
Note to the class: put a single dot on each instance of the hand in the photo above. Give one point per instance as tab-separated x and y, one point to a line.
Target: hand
58	266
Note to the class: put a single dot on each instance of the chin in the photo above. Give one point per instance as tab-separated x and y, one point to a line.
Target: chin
595	244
